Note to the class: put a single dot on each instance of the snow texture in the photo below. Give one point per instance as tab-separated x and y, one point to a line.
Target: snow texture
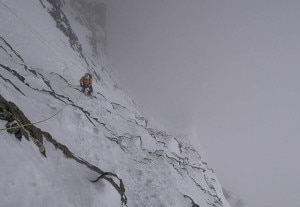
39	72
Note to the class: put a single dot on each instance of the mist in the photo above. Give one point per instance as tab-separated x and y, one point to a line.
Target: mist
225	72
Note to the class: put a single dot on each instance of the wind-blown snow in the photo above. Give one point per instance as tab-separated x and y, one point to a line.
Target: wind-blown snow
40	73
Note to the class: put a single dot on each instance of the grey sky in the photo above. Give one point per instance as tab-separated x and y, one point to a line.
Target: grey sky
229	72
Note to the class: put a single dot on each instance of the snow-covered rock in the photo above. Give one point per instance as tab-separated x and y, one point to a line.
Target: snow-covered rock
70	139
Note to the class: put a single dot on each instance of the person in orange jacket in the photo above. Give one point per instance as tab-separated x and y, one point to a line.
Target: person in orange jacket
86	82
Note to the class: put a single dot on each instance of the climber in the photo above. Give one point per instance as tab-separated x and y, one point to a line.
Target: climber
86	82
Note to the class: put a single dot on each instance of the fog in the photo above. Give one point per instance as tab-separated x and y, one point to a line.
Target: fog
225	72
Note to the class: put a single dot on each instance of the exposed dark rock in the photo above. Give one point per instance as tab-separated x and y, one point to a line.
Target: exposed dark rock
12	127
24	127
5	115
19	135
192	201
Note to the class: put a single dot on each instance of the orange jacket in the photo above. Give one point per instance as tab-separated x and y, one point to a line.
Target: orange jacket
86	81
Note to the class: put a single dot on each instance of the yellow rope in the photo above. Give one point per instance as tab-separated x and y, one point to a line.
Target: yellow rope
42	40
38	122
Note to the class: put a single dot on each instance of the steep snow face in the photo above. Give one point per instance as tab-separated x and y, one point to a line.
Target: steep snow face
45	47
92	15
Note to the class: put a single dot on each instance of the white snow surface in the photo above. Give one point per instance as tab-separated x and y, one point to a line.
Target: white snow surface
107	130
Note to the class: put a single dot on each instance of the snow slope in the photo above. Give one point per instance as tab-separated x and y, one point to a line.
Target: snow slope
45	47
